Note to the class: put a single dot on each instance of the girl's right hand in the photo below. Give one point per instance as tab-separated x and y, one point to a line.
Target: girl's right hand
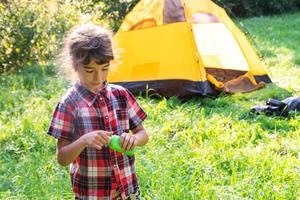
96	139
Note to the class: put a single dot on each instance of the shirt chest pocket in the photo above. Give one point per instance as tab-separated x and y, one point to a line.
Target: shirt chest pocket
122	119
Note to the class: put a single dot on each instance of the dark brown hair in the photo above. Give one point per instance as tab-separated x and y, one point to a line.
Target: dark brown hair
90	42
83	44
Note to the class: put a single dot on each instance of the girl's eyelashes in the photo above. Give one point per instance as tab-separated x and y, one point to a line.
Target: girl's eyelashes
91	71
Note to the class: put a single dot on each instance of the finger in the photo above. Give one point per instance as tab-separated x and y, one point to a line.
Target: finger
97	141
104	134
103	139
122	138
125	141
134	142
109	133
130	144
101	132
99	147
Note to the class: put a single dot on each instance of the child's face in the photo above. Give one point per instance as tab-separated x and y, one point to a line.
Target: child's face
92	75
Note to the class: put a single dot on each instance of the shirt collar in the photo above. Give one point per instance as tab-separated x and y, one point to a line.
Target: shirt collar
90	97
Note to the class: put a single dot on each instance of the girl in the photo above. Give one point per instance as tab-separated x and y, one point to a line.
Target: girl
89	113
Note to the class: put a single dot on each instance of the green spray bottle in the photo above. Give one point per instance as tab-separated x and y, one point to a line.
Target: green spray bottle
114	144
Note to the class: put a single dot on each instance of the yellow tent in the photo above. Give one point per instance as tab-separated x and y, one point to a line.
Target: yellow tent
185	48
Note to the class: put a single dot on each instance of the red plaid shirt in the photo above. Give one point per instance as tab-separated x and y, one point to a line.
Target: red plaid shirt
97	174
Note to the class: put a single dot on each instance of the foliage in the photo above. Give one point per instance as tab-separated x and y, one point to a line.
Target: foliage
114	11
111	11
246	8
31	31
199	149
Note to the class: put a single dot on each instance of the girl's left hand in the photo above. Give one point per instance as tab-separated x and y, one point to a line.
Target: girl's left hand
127	141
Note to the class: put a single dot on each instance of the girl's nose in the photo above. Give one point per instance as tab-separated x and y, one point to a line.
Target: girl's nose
97	75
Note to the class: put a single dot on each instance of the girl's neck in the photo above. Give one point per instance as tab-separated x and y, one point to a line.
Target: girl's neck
93	90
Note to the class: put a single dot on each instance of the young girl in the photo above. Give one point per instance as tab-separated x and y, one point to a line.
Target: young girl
89	113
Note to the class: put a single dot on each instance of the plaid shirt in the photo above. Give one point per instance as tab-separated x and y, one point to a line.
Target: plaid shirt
98	174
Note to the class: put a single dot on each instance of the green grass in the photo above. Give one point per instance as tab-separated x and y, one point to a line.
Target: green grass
278	40
199	149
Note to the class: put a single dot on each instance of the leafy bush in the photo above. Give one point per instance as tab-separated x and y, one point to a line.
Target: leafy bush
111	11
31	31
114	11
246	8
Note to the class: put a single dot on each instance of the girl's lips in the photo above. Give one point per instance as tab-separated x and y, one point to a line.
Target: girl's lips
96	84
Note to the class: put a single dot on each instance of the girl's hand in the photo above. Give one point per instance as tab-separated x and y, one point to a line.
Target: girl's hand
96	139
127	141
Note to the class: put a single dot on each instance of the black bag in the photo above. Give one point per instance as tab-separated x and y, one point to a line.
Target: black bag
293	103
277	107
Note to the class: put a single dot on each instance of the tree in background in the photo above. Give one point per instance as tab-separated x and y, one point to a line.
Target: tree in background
251	8
31	31
112	11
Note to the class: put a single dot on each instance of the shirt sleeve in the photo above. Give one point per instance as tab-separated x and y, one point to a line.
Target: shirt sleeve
136	114
62	123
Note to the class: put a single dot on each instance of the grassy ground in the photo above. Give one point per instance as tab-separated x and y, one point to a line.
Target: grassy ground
199	149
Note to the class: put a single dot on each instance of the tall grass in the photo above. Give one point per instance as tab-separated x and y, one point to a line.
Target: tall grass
198	149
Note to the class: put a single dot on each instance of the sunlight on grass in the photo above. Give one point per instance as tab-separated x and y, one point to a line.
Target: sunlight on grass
278	40
199	149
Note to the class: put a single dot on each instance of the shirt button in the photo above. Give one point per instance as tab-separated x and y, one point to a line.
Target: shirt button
101	98
106	117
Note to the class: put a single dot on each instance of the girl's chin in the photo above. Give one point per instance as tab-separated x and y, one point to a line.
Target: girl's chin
95	88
